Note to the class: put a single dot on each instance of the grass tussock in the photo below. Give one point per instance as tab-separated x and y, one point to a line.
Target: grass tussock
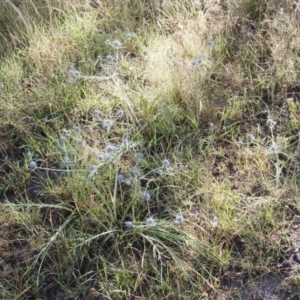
149	150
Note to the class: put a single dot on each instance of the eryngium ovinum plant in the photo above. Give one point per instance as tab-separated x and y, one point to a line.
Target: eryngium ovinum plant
118	210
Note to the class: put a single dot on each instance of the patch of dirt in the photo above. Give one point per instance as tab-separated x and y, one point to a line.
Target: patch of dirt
266	287
271	286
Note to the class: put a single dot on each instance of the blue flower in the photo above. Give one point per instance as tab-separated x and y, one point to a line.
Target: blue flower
68	132
120	113
120	177
169	169
210	43
111	148
93	168
62	139
109	58
107	124
117	44
75	73
146	196
63	149
251	137
80	142
197	62
128	224
32	165
271	123
165	163
150	221
67	163
180	166
135	172
179	219
96	112
159	171
100	157
170	56
140	155
108	157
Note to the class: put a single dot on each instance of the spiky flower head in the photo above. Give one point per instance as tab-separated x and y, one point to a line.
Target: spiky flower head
140	155
150	221
32	165
165	162
120	177
146	196
136	172
128	224
179	219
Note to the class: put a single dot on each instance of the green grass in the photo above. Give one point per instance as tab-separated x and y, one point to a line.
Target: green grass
211	150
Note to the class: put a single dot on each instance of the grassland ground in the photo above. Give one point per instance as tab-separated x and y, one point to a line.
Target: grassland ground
149	149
